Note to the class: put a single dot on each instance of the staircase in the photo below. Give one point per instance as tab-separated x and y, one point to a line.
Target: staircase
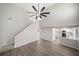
11	43
29	34
26	35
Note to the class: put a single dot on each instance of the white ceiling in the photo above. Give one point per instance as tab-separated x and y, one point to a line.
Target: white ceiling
59	13
28	6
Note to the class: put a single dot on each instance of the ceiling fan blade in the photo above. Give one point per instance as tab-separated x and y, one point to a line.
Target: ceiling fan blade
45	13
36	17
42	9
30	12
34	8
40	16
32	15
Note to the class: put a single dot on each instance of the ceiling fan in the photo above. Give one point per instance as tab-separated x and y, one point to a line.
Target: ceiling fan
39	13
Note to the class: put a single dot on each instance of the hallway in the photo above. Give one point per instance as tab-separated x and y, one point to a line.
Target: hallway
42	48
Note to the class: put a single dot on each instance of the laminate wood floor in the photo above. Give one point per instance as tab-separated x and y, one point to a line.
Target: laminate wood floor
42	48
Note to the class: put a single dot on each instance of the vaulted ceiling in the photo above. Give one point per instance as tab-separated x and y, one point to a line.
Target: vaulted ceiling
60	13
28	7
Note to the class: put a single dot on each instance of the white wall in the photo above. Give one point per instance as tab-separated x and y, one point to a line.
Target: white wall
78	44
30	34
11	27
0	25
78	36
56	34
61	14
46	33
